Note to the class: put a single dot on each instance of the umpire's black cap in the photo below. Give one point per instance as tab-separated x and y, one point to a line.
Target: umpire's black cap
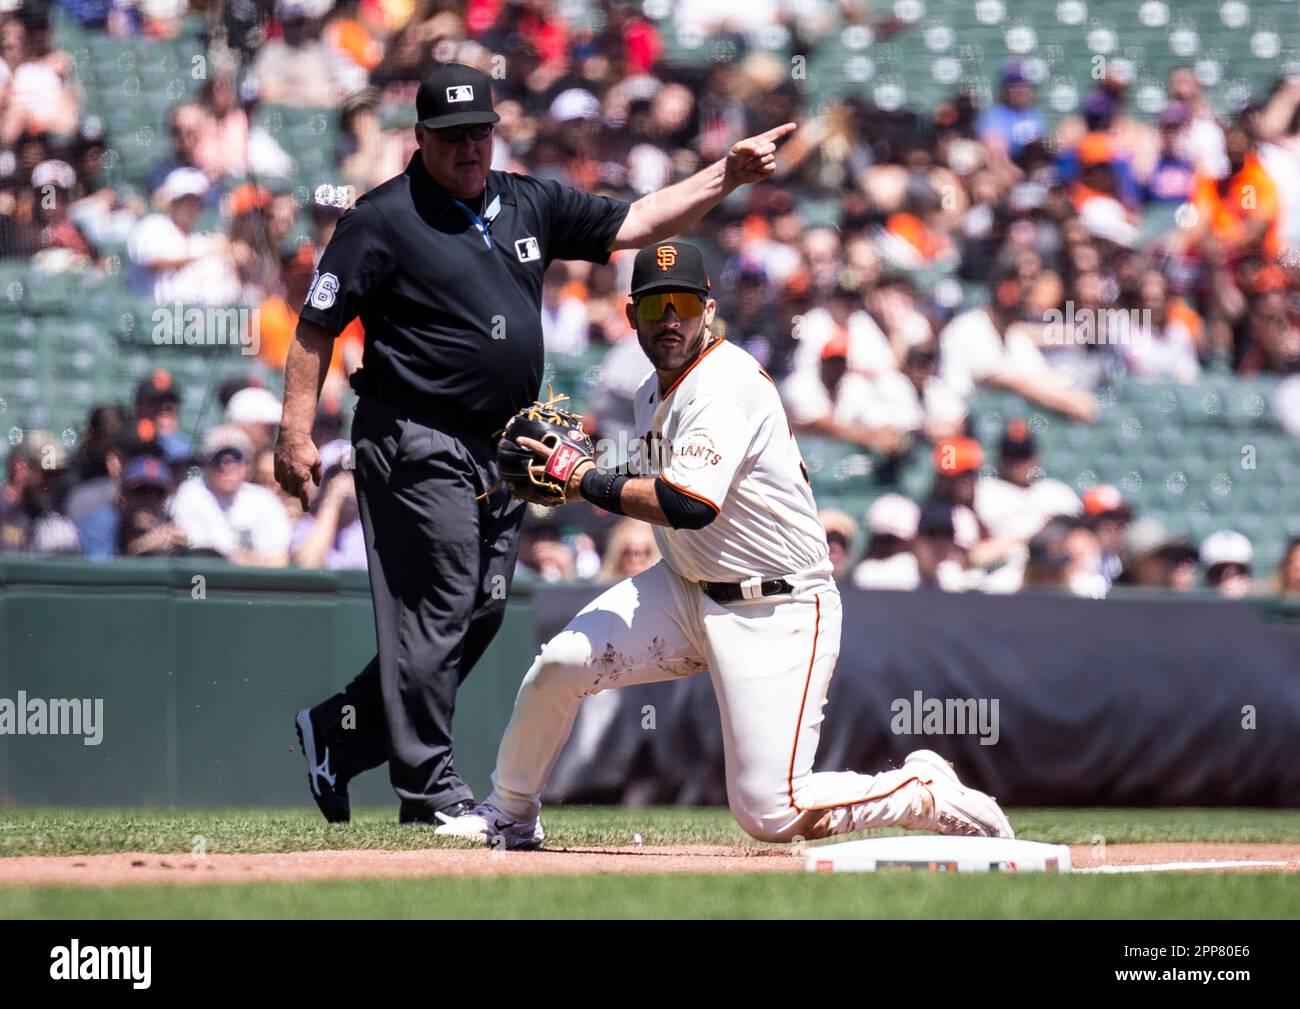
669	266
454	95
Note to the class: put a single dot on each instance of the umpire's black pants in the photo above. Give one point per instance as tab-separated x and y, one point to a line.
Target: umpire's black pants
441	564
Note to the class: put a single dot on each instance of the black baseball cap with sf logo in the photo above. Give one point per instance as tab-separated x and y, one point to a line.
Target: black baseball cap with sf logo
669	266
454	95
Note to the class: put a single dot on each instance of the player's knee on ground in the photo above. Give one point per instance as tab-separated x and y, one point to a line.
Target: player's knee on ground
772	820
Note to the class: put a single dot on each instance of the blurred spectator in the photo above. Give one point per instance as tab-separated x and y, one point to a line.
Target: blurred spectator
957	462
221	510
1100	163
1164	347
889	562
174	264
915	399
630	549
564	313
1171	179
1006	127
368	155
1286	581
745	304
1201	141
987	345
622	370
1065	555
834	401
1238	227
102	212
156	418
190	126
1109	516
1279	151
29	517
39	82
944	537
1155	559
544	553
1015	503
1271	340
92	502
298	68
217	142
263	475
141	524
1227	557
329	535
15	523
841	539
256	412
53	183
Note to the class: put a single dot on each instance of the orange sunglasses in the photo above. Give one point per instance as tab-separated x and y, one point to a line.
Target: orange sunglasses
653	307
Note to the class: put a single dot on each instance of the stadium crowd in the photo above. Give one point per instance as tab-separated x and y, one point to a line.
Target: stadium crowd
1107	246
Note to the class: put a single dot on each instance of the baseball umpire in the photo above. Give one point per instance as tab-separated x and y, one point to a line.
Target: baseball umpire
444	265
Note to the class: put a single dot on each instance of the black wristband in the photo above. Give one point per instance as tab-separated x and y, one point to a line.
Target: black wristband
603	488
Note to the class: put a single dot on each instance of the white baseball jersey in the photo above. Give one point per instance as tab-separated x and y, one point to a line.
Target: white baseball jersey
770	657
719	434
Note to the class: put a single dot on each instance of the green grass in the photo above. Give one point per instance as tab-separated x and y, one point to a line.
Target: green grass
740	895
36	831
743	895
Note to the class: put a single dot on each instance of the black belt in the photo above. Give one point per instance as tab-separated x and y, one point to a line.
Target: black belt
734	592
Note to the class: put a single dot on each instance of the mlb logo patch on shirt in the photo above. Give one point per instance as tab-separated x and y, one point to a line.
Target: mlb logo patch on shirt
460	93
528	250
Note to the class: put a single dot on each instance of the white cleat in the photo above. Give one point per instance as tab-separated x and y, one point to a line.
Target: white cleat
958	809
485	824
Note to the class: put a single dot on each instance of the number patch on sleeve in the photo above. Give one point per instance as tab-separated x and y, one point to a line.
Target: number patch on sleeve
324	289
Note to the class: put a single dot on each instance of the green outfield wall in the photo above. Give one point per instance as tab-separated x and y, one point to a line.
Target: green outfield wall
200	667
193	671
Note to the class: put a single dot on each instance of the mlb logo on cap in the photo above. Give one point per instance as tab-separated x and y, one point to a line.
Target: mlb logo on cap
454	95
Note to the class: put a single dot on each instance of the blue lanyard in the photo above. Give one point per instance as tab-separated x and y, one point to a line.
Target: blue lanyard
478	222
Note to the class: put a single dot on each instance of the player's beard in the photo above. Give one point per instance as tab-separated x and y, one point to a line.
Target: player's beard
672	357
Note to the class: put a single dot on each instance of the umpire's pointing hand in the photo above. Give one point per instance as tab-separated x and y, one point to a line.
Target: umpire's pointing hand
297	464
754	158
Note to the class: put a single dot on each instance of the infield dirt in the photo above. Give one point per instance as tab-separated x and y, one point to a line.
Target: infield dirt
129	867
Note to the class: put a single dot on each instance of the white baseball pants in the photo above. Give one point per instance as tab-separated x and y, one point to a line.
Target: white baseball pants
771	661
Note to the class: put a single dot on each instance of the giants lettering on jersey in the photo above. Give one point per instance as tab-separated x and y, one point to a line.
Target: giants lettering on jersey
698	451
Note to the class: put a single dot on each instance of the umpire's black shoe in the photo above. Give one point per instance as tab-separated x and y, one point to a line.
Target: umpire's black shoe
328	789
419	816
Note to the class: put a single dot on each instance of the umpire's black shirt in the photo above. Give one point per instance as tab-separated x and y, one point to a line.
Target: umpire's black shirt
453	326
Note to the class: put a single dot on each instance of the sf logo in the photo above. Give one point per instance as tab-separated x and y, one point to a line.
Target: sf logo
666	256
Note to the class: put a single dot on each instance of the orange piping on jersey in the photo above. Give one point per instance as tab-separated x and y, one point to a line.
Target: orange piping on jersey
803	701
689	494
855	802
691	367
812	659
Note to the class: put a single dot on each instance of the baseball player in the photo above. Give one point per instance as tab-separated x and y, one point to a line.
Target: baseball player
744	590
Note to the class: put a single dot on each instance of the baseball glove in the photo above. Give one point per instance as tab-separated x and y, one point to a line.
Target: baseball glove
528	475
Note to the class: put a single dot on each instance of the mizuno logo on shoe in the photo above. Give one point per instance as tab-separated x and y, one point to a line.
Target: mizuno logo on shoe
323	770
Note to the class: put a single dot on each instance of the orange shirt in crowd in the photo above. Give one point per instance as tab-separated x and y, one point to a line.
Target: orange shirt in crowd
278	323
1251	195
350	37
